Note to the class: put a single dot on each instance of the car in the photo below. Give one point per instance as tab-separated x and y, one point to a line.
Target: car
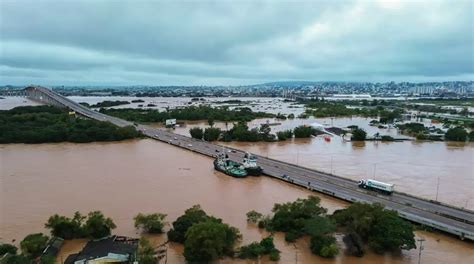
190	145
217	150
229	151
175	138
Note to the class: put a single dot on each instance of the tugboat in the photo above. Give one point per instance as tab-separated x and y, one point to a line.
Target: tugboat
250	165
223	164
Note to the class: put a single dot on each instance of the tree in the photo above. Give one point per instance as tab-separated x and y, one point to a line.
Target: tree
284	135
256	249
65	227
191	216
151	223
324	246
15	259
146	253
209	240
33	245
358	134
98	226
382	229
253	216
212	133
7	248
292	217
210	121
196	132
303	131
456	134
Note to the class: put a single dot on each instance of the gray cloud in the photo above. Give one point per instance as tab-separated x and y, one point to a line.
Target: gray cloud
233	42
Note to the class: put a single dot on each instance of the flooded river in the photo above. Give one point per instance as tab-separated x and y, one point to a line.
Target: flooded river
442	171
123	179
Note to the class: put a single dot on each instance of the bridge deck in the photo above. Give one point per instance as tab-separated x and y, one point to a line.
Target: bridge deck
450	219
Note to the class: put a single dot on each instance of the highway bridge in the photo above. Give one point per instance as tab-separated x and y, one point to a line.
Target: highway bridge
447	218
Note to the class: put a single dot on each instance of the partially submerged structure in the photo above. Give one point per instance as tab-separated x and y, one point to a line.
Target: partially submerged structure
113	249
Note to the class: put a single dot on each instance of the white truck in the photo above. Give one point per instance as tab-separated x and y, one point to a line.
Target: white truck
382	187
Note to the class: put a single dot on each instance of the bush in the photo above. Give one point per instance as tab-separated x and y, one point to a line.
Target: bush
387	138
151	223
358	134
196	132
456	134
146	253
191	216
324	246
255	249
7	248
212	133
303	131
383	229
98	226
284	135
254	216
34	244
209	240
65	227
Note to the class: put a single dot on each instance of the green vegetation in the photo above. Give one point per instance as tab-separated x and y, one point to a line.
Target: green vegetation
191	216
241	132
209	240
303	217
15	259
33	245
257	249
151	223
324	246
95	226
196	132
303	131
456	134
146	253
253	216
383	230
41	124
7	248
187	113
284	135
412	128
358	134
211	133
387	138
109	104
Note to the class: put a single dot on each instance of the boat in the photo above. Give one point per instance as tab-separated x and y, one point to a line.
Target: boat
223	164
250	165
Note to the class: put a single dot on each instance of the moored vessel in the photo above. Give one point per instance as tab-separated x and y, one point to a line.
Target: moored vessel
223	164
250	165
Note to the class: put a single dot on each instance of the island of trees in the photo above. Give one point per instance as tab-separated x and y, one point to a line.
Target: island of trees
42	124
207	238
187	113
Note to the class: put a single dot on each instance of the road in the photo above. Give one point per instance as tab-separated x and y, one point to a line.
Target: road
440	216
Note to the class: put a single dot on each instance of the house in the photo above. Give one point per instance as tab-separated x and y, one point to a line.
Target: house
113	249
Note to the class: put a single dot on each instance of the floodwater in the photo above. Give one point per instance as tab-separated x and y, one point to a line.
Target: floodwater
123	179
442	171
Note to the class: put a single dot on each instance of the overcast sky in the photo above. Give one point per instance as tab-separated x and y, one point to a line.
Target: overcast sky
233	42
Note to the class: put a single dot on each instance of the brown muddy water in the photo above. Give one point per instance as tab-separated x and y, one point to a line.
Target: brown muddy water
123	179
414	167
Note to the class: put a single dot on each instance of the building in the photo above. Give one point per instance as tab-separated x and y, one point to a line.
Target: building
113	249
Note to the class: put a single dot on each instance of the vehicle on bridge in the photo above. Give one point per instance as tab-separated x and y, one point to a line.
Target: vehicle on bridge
385	188
250	165
223	164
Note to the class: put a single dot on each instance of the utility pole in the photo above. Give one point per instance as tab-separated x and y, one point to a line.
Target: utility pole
421	240
296	253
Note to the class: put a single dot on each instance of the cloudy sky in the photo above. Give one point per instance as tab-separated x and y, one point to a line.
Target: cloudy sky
233	42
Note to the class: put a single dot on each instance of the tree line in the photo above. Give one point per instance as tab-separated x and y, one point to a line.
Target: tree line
44	124
207	238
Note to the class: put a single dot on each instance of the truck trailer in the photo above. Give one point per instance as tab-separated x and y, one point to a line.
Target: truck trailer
382	187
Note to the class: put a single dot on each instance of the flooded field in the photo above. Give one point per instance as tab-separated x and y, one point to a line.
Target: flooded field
433	170
123	179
